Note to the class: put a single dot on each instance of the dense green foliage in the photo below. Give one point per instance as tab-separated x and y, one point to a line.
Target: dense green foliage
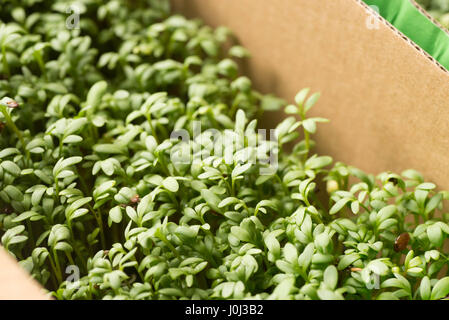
88	183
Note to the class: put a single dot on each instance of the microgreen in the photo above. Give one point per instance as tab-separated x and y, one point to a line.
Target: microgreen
94	177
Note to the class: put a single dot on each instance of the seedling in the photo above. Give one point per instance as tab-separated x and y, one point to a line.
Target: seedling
88	182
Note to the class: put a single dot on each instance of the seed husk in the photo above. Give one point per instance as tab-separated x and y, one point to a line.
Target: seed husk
401	242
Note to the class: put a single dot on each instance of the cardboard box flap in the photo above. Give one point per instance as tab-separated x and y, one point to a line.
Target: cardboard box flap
411	20
15	283
387	101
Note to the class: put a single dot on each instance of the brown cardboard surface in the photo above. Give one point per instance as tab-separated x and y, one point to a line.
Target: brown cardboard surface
387	101
15	283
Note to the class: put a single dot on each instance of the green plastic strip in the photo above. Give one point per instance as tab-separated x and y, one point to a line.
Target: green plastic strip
417	27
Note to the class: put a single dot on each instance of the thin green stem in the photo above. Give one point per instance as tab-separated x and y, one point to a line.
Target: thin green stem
168	244
30	231
60	147
70	258
5	62
173	198
99	220
40	62
153	131
54	274
83	183
57	187
13	128
58	271
163	165
80	256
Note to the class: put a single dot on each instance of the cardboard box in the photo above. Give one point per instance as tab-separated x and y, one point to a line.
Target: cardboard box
388	101
386	98
15	283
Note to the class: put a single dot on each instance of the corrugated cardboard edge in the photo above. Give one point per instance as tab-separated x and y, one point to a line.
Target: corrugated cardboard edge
425	13
16	283
387	99
403	36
